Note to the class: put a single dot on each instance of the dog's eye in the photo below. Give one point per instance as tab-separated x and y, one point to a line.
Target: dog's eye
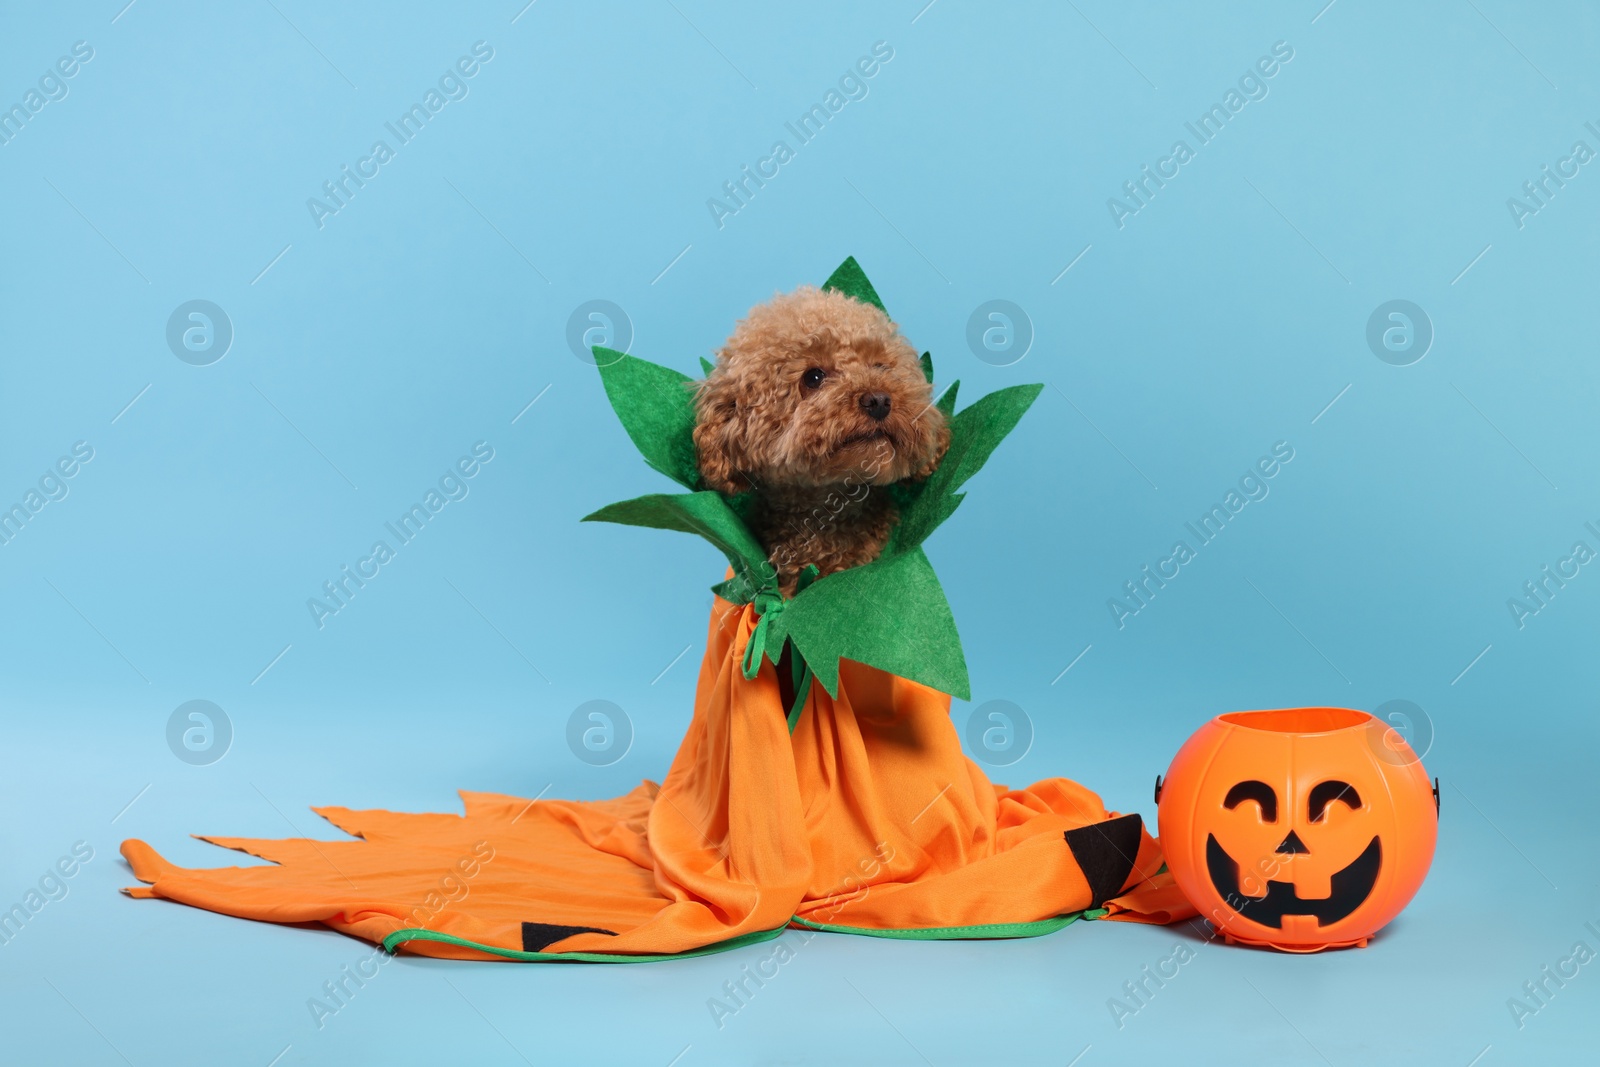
812	378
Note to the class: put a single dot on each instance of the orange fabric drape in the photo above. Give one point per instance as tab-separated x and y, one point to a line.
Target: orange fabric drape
868	817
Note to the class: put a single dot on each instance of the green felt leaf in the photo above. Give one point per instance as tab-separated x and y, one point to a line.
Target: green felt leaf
706	514
947	400
736	590
974	434
981	427
706	366
851	280
656	407
926	513
927	366
890	614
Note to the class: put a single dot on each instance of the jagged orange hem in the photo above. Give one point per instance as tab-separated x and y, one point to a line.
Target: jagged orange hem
868	818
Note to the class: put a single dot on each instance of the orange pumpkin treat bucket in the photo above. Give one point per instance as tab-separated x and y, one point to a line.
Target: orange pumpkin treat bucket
1298	829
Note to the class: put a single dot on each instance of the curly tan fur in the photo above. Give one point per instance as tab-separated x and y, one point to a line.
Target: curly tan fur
817	454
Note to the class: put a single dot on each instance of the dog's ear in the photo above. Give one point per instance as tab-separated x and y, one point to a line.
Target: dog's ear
941	445
718	433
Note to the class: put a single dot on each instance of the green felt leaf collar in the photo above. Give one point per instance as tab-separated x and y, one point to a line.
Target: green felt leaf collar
891	613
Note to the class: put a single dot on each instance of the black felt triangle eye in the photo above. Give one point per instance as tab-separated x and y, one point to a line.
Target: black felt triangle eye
1106	852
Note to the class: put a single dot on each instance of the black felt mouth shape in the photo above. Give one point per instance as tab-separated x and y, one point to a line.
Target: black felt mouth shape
1350	888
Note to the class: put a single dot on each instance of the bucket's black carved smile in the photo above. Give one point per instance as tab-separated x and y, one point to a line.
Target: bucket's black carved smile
1350	888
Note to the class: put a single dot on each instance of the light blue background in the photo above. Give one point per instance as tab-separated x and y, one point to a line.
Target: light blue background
1223	317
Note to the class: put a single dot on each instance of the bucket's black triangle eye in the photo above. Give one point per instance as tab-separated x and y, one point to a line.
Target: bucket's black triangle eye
1293	846
1260	792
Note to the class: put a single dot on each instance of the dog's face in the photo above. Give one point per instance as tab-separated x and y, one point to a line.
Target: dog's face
816	389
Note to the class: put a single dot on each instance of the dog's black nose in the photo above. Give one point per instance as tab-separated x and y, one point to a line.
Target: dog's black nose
876	405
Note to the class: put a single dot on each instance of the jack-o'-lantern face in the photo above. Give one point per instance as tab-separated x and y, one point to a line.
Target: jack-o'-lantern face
1348	887
1300	828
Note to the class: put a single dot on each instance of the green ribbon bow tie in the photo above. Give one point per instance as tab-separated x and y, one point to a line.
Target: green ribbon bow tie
891	613
768	605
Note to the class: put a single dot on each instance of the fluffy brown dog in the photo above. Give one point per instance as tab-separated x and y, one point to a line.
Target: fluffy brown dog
817	404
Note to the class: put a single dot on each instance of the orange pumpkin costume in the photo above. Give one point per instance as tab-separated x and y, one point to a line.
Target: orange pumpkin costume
854	812
868	820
